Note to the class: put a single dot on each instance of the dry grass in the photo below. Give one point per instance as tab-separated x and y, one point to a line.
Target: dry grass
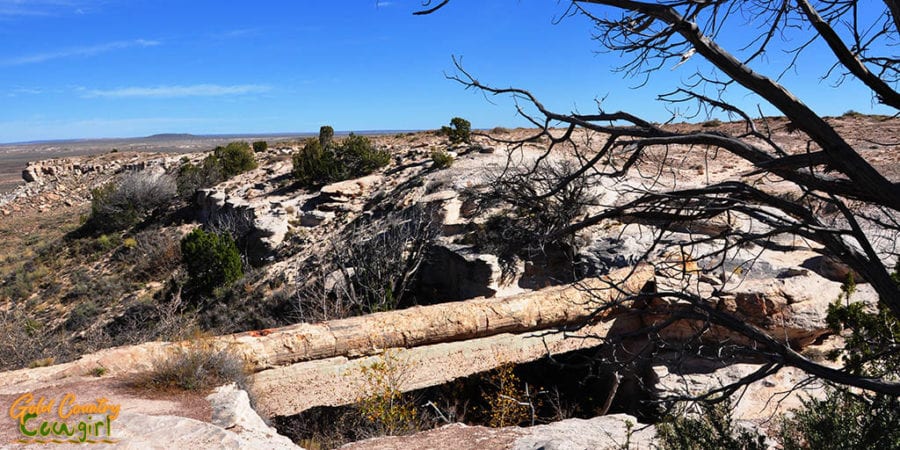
195	368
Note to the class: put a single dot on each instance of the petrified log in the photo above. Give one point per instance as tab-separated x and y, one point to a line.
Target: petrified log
340	380
445	322
368	335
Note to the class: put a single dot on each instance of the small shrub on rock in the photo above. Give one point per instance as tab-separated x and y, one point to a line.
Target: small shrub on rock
319	163
382	402
459	131
211	259
441	159
360	157
235	158
260	146
315	164
224	163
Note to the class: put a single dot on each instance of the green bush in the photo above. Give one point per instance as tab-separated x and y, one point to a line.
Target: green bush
870	345
712	430
441	159
235	158
359	157
354	157
222	164
459	131
211	259
844	421
326	136
847	419
315	164
260	146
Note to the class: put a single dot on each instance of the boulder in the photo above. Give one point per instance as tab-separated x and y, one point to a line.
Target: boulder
833	269
607	253
267	235
30	175
315	218
605	432
349	189
231	410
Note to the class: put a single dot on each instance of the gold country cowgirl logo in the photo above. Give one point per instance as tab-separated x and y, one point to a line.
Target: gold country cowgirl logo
44	421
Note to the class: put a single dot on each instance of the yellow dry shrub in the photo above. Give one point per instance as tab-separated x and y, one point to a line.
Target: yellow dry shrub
382	401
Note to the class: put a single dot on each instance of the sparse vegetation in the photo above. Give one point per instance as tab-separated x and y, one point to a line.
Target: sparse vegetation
510	401
370	267
529	224
260	146
120	205
192	177
382	402
198	367
847	419
843	420
441	159
712	429
156	253
459	131
506	396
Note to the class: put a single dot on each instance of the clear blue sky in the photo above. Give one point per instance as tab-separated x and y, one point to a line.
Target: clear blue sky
117	68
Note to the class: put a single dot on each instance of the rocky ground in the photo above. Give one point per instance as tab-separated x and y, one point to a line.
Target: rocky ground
50	272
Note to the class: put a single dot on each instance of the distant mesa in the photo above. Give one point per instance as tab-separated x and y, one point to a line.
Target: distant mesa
168	136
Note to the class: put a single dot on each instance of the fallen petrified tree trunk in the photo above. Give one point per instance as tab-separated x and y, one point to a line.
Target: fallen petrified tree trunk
368	335
292	389
445	322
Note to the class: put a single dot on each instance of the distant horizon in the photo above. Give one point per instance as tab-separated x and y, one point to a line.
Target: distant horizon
212	135
372	132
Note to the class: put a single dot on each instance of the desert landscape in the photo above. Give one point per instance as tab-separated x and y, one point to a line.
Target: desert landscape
588	224
386	304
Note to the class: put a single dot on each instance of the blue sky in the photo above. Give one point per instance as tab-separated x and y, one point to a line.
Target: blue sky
118	68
